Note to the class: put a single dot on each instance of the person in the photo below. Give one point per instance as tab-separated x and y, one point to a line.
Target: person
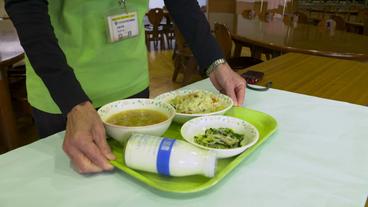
73	67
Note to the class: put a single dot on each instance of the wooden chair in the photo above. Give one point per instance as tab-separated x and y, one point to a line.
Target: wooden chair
249	14
302	18
364	18
260	8
154	31
17	86
268	16
184	60
204	9
169	32
223	37
326	24
362	15
287	19
340	22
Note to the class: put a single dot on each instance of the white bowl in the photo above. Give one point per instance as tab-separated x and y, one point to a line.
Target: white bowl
199	125
122	133
182	117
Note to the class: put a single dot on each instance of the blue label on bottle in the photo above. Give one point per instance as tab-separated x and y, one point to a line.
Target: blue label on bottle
163	156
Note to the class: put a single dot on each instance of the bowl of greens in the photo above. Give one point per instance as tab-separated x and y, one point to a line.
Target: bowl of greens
225	136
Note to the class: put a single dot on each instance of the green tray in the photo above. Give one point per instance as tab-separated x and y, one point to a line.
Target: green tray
265	123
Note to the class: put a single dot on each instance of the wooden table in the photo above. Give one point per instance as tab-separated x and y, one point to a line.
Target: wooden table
325	12
356	27
302	38
10	53
330	78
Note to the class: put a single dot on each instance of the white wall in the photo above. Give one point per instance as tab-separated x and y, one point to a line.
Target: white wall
160	3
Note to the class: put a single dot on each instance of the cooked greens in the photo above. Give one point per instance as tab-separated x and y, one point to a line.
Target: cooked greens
220	138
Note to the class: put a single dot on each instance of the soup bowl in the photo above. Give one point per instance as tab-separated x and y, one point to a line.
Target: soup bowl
122	133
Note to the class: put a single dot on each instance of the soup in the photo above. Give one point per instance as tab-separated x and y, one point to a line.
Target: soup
137	117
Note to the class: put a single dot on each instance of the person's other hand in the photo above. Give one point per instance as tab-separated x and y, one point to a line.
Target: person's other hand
229	82
85	140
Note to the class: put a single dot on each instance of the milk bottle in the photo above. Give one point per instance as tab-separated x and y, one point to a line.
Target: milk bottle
168	156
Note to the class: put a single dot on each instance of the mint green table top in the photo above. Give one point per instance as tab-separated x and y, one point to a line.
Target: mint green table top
317	157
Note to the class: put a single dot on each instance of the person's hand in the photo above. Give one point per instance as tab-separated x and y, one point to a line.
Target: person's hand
229	82
85	140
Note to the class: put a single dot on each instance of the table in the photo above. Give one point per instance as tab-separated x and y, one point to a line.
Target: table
331	78
356	27
341	12
10	53
301	38
318	157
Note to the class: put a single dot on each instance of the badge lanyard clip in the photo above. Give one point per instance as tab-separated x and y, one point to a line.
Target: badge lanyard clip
123	6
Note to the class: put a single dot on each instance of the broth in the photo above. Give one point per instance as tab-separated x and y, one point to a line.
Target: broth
137	117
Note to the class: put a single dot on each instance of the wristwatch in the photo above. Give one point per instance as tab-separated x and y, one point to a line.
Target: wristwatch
214	65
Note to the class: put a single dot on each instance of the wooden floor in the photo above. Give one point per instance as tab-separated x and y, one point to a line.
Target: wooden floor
160	68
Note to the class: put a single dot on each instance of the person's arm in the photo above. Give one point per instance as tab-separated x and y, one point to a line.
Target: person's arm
85	140
37	37
195	28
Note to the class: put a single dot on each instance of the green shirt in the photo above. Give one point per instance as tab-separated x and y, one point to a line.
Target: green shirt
106	71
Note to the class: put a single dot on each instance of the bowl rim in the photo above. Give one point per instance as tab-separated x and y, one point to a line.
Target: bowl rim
221	150
169	119
175	92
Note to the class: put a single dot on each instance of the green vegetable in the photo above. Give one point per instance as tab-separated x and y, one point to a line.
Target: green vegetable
220	138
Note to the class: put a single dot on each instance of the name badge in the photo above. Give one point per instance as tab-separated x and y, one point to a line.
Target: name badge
122	26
